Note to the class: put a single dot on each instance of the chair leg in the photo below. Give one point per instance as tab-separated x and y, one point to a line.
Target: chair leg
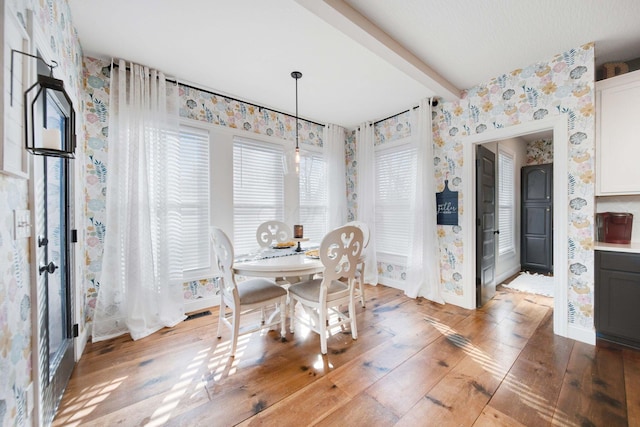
361	285
292	309
283	317
322	328
235	329
223	308
352	317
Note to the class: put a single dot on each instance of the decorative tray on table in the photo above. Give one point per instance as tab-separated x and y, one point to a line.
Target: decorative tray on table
284	245
313	253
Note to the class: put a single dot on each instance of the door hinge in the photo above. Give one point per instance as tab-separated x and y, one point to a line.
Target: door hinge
75	331
74	236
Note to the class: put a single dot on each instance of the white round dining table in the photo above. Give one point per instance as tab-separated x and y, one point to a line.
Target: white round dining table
283	266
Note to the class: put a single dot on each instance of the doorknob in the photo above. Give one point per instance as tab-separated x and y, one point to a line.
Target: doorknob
496	231
49	268
42	241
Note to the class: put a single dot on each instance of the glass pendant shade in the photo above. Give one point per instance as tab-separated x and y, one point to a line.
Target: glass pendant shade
49	119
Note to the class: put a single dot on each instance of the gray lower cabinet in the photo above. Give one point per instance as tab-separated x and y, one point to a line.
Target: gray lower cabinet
617	292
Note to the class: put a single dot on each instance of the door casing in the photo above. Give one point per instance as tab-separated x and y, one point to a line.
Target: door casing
559	125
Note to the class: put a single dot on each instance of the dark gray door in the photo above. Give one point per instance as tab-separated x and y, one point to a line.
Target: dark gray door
486	225
537	218
55	306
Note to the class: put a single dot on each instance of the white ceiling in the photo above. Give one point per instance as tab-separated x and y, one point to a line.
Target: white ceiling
361	59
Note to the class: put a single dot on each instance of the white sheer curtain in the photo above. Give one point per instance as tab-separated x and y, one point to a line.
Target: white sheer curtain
423	265
366	192
140	284
334	156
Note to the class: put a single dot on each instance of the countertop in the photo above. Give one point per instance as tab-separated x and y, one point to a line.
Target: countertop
633	247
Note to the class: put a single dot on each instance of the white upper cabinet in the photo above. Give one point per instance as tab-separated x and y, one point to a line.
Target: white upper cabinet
618	135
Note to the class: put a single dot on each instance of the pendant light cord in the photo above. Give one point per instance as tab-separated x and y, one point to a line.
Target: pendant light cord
296	75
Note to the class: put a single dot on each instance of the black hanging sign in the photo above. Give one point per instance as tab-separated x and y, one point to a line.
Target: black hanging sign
447	206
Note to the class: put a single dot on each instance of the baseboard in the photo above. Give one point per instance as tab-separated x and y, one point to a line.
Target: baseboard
509	273
587	336
201	303
458	300
396	284
81	343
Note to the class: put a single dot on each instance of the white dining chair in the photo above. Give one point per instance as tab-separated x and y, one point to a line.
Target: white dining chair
272	232
244	297
361	261
322	297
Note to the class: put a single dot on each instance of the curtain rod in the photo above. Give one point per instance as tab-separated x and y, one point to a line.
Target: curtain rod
434	103
260	107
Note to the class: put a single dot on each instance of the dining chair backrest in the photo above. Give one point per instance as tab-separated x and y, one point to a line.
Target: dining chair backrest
365	231
224	255
339	252
272	232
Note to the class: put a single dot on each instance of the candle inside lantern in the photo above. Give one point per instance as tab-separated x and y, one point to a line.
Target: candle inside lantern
297	231
51	139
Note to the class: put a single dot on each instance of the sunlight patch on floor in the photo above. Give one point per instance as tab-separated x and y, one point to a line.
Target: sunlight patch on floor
545	409
74	413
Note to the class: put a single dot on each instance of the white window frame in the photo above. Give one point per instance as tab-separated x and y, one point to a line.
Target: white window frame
504	203
394	257
318	204
202	180
221	175
260	211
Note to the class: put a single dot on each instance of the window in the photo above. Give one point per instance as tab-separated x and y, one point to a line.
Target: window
258	190
395	174
506	202
195	195
313	196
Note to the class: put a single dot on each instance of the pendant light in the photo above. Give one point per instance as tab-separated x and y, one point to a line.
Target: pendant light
49	116
296	75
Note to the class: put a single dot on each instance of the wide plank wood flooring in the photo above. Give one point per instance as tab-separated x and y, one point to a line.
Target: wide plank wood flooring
415	363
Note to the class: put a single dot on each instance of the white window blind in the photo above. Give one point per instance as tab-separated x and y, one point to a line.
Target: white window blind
313	196
506	202
395	174
195	196
258	190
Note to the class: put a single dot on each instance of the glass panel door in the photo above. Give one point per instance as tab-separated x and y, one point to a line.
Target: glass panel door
54	296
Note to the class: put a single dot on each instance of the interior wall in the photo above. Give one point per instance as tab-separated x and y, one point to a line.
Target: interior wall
540	152
16	298
564	86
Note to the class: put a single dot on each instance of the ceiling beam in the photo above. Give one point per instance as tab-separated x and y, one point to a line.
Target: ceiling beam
345	18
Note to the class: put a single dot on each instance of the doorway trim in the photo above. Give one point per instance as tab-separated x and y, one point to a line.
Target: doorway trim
559	126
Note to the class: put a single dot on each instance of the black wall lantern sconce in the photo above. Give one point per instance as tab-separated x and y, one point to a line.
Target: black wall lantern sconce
49	117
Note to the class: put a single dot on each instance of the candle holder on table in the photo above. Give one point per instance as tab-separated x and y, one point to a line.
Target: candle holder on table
298	236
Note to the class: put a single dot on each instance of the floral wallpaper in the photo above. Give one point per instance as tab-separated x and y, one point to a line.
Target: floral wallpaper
564	85
195	104
96	74
51	17
540	152
15	306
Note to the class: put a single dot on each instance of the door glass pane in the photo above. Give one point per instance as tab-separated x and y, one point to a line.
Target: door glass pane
55	198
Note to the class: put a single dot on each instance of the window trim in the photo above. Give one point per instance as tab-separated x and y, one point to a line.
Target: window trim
382	256
511	249
209	271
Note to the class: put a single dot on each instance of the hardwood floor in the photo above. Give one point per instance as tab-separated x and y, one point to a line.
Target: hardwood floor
415	363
